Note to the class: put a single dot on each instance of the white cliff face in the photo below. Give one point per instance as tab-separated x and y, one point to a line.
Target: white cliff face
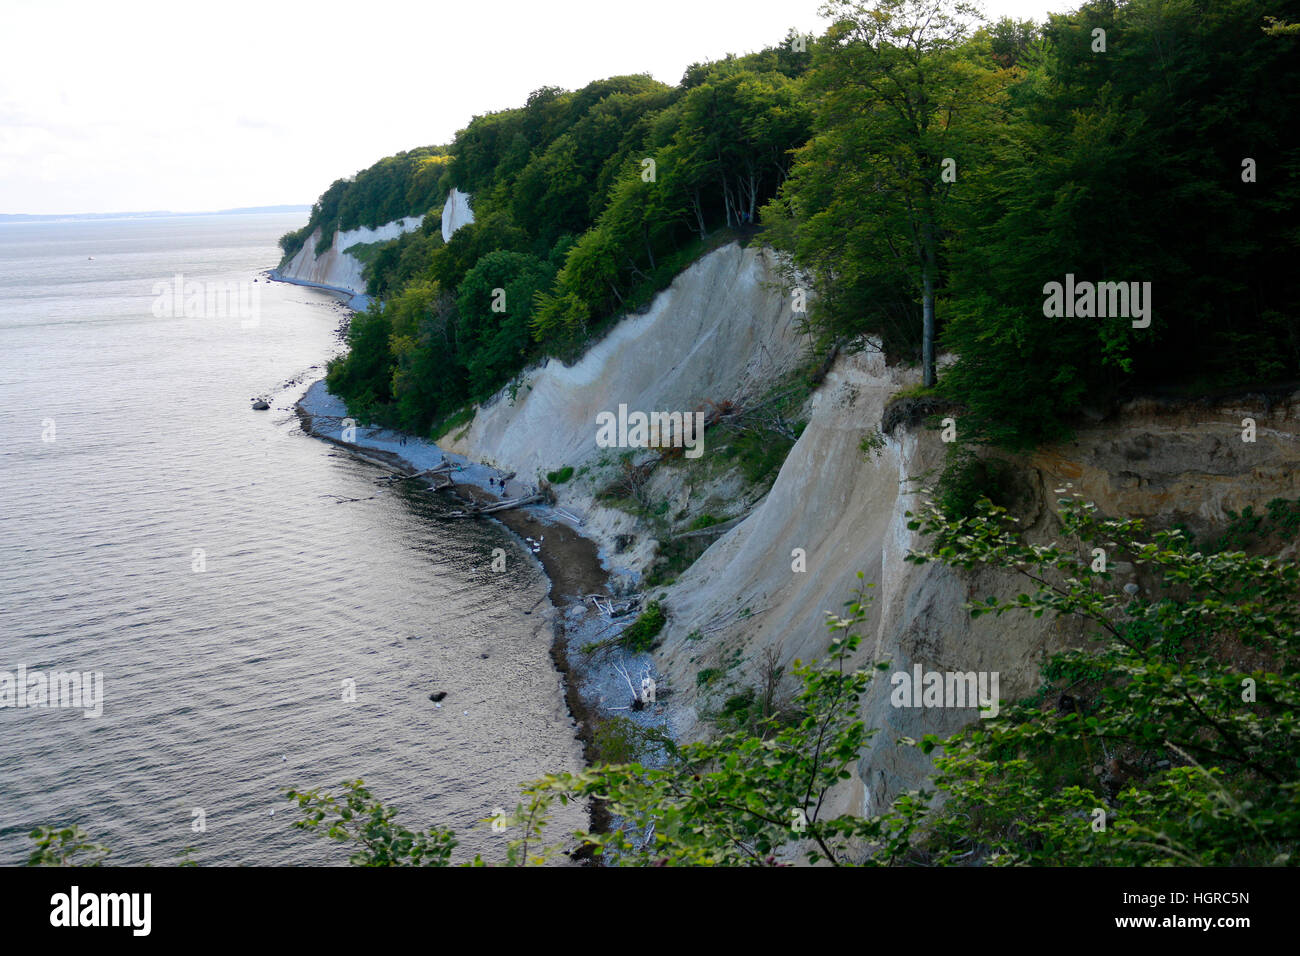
721	331
335	268
724	331
455	213
848	514
845	512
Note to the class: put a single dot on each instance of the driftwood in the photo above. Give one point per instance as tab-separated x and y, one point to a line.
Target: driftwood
820	373
442	469
719	528
568	514
611	609
475	511
392	480
638	699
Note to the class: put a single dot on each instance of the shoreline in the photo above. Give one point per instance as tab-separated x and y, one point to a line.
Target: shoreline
571	562
356	301
583	573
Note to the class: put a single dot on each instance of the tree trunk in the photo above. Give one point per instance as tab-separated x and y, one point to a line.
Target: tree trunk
698	209
927	310
752	179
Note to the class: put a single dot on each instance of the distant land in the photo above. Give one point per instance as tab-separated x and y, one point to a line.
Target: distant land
151	214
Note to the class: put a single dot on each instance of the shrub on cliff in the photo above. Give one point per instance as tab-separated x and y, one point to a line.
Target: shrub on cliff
1176	740
641	633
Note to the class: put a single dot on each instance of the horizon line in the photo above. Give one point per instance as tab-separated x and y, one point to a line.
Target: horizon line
139	213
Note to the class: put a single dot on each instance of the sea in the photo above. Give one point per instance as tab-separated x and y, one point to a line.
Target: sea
262	611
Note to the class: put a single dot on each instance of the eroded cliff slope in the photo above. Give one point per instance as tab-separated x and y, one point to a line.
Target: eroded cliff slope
847	510
335	268
722	331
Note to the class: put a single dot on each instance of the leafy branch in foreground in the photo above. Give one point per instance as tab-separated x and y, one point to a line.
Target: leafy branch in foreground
356	817
1179	738
362	820
65	846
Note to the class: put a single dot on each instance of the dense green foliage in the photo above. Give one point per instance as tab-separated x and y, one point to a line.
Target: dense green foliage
929	175
585	204
408	184
1123	165
1128	166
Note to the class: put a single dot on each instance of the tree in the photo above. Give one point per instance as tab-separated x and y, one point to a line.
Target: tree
494	306
428	377
363	377
1130	165
901	107
734	131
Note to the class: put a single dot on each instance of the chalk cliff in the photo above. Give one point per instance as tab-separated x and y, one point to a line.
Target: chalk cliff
724	330
455	213
335	268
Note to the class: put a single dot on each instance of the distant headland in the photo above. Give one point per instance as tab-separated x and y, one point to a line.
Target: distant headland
150	214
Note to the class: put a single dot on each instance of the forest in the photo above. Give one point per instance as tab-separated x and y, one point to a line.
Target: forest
1044	220
929	176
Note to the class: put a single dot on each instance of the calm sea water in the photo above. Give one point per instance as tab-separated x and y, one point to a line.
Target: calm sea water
223	686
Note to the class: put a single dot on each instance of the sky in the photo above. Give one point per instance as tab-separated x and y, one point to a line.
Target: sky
137	105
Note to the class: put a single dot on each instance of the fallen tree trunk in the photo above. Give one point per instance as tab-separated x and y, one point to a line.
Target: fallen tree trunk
719	528
440	482
475	511
441	469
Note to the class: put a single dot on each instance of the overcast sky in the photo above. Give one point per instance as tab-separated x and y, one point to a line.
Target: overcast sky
116	106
